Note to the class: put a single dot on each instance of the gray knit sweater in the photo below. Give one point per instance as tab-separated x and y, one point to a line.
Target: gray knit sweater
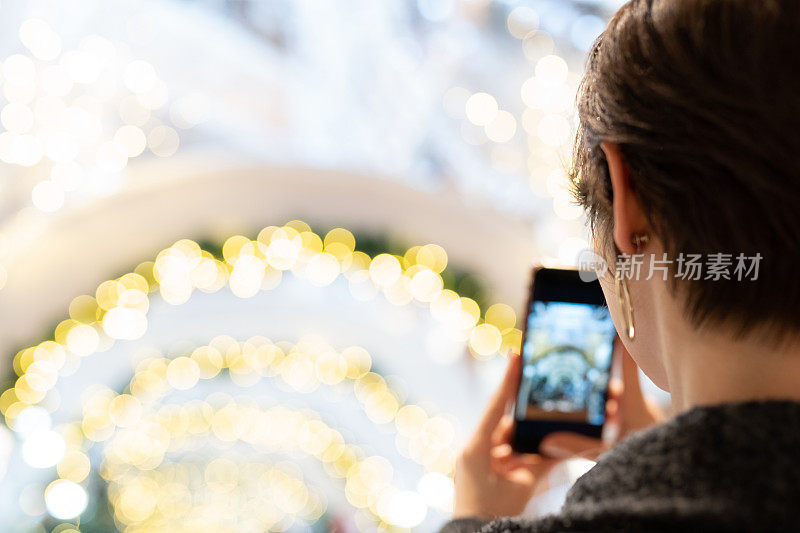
733	467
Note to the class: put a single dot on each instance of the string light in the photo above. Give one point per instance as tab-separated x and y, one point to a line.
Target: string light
175	429
59	119
522	21
222	494
65	499
118	310
481	109
143	441
304	367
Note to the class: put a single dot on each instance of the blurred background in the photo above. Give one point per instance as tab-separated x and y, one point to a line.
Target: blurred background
261	260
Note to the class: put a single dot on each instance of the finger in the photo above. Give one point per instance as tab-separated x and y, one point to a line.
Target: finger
504	459
497	405
630	376
535	474
504	431
615	388
612	409
502	454
615	392
564	445
634	409
505	453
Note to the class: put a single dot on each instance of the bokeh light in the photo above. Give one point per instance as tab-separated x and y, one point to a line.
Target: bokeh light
161	400
65	499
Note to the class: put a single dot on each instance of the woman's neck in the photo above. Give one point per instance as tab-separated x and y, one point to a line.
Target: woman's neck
709	368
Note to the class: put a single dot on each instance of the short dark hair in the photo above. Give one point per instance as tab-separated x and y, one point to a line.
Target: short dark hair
703	99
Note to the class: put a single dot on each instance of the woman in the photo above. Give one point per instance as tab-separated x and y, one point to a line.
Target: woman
688	154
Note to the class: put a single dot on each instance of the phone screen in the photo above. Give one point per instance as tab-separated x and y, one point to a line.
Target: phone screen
566	361
566	357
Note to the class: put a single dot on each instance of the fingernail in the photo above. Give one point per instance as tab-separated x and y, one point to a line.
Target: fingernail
549	449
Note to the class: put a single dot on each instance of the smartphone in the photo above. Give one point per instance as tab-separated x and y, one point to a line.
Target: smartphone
566	352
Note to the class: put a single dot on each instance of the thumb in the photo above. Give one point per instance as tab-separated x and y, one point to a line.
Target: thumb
564	445
632	388
497	405
634	410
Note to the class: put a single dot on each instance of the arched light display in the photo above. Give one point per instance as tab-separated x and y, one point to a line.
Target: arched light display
228	492
175	428
118	311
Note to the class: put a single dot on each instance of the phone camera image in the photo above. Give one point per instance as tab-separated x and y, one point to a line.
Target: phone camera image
566	362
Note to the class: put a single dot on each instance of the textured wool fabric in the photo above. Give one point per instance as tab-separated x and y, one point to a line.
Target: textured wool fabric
731	467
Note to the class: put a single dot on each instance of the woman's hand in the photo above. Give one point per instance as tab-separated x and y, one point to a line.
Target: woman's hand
627	410
490	479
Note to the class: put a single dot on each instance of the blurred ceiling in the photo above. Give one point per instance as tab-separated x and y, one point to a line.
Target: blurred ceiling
471	98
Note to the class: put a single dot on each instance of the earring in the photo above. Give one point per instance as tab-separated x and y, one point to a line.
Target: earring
624	294
625	305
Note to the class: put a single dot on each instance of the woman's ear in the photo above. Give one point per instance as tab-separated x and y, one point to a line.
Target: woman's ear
629	218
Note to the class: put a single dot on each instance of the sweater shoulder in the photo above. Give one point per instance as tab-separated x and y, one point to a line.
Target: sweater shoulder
598	523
